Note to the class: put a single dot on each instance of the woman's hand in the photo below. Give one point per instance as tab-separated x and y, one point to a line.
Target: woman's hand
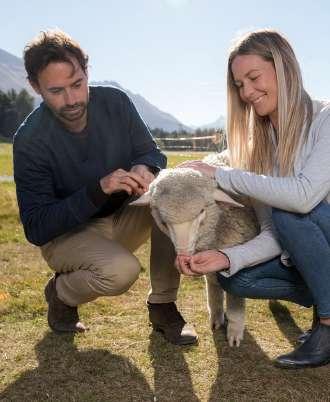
202	263
202	167
208	261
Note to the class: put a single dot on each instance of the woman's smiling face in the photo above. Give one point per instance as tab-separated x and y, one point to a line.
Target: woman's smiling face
256	82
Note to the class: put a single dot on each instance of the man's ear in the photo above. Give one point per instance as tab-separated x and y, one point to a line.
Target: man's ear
35	86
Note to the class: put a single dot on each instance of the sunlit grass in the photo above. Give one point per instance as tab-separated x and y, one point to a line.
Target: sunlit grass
10	228
120	359
6	160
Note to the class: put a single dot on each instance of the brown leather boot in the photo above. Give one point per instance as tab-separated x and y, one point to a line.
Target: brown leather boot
61	317
165	318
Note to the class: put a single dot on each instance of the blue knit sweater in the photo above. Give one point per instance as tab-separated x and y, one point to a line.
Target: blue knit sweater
57	172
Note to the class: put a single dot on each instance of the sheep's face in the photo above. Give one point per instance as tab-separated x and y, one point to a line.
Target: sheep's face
185	234
182	201
178	204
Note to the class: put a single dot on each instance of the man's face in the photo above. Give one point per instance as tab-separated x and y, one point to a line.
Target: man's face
64	88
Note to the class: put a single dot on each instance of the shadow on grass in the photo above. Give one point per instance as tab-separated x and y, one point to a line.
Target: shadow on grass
172	376
67	374
248	373
285	322
239	369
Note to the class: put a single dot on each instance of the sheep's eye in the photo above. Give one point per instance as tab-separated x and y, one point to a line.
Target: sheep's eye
202	210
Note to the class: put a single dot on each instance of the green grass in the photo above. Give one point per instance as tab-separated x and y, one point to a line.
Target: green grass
10	229
6	159
120	359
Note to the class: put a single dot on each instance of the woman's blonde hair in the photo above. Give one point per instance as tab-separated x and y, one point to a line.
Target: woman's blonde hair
249	135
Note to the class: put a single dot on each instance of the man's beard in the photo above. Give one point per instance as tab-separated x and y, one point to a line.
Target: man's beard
72	113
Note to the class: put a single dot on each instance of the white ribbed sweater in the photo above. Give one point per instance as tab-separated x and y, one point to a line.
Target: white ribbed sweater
300	193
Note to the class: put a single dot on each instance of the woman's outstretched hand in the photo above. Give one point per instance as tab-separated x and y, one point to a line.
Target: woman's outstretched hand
202	167
202	263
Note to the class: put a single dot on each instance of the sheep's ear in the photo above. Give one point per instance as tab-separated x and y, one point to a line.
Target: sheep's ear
219	195
142	201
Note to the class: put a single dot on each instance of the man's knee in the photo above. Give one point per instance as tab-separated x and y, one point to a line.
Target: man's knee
118	277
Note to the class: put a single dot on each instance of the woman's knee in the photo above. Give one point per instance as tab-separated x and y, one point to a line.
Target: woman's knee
288	224
321	212
282	218
237	284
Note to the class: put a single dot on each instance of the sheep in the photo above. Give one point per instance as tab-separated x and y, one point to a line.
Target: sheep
190	208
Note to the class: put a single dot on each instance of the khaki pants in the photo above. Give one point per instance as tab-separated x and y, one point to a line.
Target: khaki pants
97	259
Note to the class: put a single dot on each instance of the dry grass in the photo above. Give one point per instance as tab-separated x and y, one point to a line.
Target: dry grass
120	359
6	159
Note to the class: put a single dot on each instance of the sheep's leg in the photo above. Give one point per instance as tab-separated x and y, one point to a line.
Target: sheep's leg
235	313
215	299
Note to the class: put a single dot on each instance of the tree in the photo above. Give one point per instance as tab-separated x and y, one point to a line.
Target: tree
24	105
14	107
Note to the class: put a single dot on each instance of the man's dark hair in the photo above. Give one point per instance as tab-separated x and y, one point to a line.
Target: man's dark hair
51	46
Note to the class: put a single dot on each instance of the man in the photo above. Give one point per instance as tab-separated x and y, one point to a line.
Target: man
77	160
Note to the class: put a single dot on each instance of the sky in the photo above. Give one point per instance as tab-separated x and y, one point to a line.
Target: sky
174	52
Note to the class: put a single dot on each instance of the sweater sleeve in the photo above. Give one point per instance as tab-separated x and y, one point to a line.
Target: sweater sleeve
261	248
145	150
299	193
43	215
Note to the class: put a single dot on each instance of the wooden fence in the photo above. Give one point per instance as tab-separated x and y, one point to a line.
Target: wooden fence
210	143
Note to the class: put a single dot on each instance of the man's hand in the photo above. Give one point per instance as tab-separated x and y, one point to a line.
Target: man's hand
182	264
202	167
144	172
121	180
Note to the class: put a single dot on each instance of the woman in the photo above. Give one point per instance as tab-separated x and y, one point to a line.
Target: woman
279	143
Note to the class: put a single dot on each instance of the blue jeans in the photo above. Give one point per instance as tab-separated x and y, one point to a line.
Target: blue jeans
307	239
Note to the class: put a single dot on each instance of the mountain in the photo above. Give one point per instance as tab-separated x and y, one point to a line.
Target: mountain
154	117
12	73
13	76
220	123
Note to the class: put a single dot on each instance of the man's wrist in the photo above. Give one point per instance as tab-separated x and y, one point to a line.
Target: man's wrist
96	193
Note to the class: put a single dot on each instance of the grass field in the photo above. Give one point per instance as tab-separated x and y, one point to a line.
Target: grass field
120	359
